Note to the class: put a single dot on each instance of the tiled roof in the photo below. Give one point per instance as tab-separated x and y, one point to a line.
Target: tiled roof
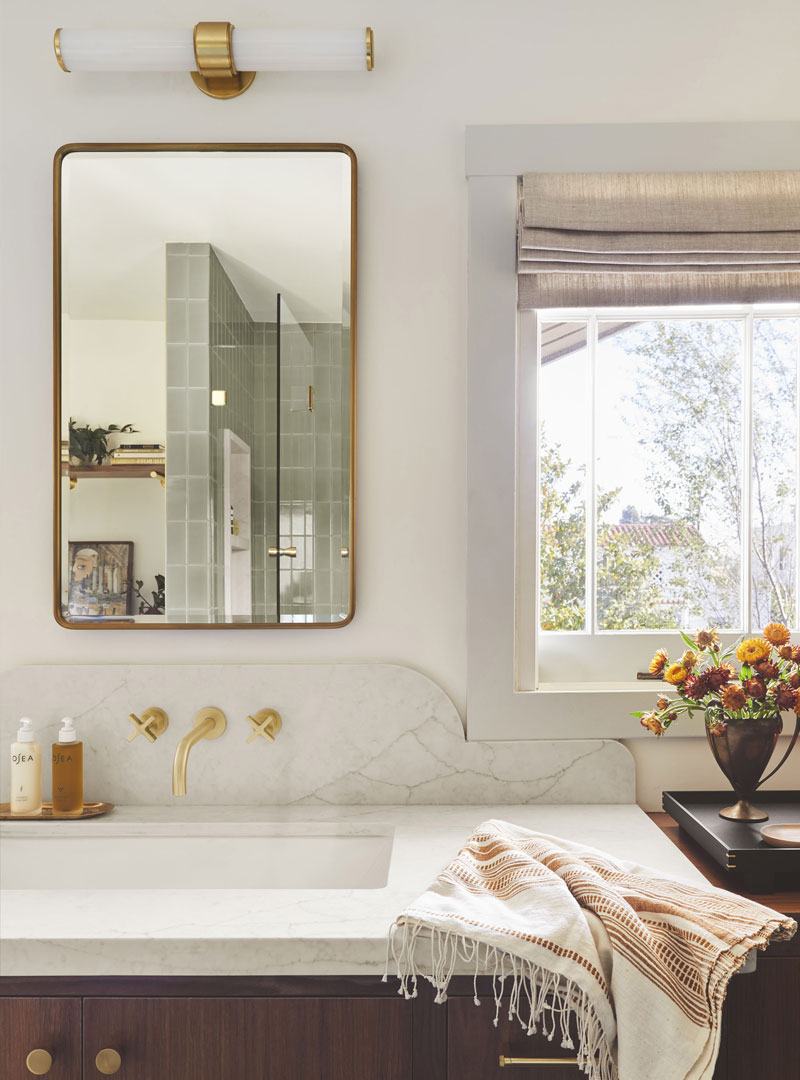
654	533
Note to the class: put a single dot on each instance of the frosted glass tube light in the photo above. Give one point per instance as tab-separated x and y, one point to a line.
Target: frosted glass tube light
253	50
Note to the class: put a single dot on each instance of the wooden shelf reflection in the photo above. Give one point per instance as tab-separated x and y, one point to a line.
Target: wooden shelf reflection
98	472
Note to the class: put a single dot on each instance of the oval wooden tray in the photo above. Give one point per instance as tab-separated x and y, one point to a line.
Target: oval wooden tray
90	809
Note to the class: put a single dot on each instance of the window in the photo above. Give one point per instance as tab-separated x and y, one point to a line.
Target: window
517	687
667	480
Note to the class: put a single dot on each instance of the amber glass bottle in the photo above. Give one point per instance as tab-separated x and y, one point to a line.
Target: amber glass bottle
67	772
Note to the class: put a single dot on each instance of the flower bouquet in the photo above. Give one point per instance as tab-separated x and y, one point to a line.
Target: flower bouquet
742	707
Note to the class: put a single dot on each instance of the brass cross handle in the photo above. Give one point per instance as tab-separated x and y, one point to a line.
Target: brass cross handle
152	723
266	723
108	1062
38	1062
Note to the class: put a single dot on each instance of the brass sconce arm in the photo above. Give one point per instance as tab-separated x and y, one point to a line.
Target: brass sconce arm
216	73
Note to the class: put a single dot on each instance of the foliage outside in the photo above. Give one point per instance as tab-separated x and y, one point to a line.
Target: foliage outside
688	385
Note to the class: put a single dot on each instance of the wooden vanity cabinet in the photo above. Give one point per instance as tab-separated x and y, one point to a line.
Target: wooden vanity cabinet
340	1028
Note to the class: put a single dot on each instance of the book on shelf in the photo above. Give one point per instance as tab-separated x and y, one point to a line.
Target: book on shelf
130	447
141	460
123	452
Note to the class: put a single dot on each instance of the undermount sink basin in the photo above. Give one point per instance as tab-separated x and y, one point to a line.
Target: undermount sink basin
195	862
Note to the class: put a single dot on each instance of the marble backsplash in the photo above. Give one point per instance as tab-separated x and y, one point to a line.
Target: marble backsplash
352	734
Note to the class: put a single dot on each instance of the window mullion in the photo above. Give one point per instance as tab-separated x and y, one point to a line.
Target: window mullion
747	473
591	485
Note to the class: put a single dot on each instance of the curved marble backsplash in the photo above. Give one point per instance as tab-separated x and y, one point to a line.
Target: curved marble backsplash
352	734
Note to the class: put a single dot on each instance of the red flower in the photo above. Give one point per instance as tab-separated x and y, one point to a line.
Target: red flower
755	688
697	686
785	697
718	677
767	669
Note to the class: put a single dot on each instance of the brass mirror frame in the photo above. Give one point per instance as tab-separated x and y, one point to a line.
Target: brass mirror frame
58	162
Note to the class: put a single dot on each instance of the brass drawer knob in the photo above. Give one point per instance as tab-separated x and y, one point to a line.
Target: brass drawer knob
504	1061
108	1062
39	1062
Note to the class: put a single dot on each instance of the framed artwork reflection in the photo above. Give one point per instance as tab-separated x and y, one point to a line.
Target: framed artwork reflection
100	578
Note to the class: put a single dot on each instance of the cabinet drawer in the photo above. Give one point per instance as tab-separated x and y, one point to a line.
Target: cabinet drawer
475	1046
253	1038
49	1024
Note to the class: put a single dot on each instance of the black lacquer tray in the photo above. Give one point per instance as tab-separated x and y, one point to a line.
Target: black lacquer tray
737	845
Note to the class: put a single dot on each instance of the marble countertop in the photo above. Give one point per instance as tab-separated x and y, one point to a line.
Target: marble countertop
279	931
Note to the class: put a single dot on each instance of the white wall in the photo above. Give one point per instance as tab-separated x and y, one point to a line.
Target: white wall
439	66
95	352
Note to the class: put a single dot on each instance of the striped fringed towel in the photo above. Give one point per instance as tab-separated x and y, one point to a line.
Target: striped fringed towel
639	961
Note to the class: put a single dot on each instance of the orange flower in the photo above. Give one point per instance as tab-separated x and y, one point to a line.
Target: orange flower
776	633
659	662
652	723
751	650
785	652
706	638
689	659
662	703
733	698
676	674
717	727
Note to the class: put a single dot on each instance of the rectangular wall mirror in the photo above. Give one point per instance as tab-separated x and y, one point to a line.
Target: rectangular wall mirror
205	343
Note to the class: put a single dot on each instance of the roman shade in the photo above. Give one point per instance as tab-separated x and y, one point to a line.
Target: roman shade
622	239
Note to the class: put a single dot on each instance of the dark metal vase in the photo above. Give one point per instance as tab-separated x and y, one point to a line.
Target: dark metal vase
742	749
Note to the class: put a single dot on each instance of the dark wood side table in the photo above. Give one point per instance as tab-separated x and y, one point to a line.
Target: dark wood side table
760	1033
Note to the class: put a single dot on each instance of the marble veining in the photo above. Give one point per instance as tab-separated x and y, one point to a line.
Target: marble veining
353	734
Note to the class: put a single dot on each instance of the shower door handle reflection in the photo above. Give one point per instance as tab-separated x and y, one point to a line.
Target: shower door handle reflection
274	553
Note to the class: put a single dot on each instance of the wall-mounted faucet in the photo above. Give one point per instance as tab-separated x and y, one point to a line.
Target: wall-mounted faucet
209	723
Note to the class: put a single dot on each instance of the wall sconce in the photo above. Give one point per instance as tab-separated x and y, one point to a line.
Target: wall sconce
226	60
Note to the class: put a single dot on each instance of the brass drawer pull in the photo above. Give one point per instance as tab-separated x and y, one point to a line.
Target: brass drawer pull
535	1061
108	1062
275	552
38	1062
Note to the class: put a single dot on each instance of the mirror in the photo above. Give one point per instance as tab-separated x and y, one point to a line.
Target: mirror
205	385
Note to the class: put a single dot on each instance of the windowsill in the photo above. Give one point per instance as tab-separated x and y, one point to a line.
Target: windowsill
644	686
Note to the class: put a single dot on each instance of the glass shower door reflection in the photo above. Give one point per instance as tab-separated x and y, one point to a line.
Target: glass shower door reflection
313	488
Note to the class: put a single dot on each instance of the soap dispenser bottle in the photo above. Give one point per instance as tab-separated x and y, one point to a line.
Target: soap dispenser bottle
26	772
67	772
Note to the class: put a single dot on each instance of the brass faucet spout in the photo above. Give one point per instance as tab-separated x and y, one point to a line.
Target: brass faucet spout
208	724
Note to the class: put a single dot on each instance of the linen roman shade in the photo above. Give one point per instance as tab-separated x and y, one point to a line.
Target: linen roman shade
620	239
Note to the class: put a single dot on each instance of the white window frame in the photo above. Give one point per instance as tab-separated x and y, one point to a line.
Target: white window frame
628	650
496	156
